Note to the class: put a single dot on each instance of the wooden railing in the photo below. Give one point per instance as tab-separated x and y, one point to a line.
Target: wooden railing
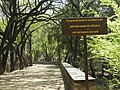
74	79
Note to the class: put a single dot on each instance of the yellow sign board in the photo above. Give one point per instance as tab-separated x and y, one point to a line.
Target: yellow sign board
84	26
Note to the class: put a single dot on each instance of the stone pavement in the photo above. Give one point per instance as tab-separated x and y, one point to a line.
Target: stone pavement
36	77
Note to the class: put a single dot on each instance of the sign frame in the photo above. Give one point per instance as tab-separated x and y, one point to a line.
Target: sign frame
84	26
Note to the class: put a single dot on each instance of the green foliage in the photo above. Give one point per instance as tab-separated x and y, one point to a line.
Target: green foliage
48	41
107	48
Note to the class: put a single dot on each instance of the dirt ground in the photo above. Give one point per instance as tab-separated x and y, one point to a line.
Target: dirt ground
36	77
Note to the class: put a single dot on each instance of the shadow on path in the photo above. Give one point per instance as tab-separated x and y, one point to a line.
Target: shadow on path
36	77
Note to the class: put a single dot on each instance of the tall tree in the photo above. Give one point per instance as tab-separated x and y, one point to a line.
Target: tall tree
20	15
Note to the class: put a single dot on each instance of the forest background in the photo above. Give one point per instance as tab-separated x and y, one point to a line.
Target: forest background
30	31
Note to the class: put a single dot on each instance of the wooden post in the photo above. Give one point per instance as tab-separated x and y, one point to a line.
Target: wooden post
86	62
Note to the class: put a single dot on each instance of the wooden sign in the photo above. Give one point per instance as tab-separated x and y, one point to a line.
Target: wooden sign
84	26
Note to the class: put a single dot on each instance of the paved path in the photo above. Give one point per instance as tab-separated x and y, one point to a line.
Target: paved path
37	77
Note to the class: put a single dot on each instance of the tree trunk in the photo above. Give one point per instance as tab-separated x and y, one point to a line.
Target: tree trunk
66	56
30	59
92	70
21	63
75	53
2	70
12	66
